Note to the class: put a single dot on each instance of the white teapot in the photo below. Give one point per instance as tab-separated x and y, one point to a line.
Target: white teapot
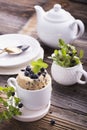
57	23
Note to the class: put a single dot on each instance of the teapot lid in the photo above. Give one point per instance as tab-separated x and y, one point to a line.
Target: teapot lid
57	14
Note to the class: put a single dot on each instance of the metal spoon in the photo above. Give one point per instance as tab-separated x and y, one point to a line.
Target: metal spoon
15	50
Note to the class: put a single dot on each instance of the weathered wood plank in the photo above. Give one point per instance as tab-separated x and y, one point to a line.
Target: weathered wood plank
19	6
15	13
10	23
72	98
69	116
44	124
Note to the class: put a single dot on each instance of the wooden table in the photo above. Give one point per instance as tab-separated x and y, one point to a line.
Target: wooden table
68	104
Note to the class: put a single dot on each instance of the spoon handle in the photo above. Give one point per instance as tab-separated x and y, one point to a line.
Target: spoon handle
2	51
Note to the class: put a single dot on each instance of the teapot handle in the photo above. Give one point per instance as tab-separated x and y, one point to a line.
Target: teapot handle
80	30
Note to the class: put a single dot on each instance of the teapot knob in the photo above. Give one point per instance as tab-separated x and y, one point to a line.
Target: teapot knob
57	7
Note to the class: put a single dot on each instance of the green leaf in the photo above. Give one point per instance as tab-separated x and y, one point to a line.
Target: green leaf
1	99
61	43
63	51
1	88
11	104
77	60
5	103
56	52
67	61
17	100
81	54
66	55
37	65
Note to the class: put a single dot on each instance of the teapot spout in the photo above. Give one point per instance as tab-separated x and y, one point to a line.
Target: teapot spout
39	11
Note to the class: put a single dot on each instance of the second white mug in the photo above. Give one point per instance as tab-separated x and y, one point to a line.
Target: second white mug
68	76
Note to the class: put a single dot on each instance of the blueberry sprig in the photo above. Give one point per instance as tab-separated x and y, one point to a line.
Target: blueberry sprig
66	55
32	75
11	103
29	73
38	68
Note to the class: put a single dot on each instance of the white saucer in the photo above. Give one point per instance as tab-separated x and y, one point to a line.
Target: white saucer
30	116
9	40
15	69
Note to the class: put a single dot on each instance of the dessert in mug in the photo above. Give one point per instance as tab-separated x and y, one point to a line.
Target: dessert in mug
33	85
29	80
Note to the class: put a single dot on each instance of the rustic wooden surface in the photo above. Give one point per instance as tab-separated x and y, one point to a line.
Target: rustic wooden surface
68	104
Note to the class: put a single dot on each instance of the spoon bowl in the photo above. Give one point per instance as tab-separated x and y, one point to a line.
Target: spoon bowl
15	50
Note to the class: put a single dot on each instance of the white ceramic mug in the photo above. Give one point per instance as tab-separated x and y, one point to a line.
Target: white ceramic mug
68	76
32	99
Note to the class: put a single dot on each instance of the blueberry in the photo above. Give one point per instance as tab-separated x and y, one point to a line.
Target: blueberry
31	72
69	48
20	105
26	73
42	70
34	76
70	54
39	73
52	122
22	70
28	68
13	93
5	85
73	61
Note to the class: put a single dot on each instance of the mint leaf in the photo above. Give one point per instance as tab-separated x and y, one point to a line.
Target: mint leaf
17	100
81	54
37	65
66	55
10	104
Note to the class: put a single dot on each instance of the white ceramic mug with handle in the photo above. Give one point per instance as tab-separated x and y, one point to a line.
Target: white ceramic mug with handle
32	99
68	76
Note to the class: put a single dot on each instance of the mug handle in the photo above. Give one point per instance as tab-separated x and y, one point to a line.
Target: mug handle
84	73
12	82
81	28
